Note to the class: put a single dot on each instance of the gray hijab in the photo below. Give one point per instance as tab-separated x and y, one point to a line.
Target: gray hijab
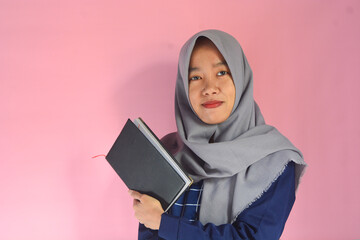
245	155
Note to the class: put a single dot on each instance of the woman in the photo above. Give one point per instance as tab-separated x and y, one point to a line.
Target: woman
245	171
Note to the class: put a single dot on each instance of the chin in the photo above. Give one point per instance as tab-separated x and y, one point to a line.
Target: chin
213	120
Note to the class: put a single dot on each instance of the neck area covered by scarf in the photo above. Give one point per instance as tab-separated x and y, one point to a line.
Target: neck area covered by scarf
239	158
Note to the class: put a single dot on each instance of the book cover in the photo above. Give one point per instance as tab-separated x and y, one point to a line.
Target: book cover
145	168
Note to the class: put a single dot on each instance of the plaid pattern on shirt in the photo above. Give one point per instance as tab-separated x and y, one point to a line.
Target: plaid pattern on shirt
188	204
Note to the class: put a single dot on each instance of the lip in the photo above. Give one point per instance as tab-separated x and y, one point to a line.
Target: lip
212	104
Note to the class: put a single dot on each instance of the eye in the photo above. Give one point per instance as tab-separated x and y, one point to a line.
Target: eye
222	73
194	78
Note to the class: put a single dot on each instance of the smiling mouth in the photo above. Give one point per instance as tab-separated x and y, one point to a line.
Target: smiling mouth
212	104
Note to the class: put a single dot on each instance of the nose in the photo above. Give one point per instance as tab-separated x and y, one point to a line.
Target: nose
210	87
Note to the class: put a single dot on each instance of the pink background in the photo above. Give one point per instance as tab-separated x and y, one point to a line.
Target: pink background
72	72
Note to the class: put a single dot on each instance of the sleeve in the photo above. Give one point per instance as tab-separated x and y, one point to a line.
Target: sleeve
264	219
146	233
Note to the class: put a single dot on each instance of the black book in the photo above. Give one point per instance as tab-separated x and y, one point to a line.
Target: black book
144	164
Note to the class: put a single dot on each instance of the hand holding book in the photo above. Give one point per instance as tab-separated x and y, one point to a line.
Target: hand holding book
147	209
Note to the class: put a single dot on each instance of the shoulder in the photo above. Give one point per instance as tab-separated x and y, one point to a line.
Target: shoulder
266	217
280	192
169	137
172	142
284	186
289	171
285	182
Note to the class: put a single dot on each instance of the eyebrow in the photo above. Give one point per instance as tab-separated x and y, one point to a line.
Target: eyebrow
221	63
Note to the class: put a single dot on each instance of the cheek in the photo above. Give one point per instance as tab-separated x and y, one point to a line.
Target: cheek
230	88
231	93
192	95
194	89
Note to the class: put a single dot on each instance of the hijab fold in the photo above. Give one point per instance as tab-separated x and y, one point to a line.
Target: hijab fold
245	155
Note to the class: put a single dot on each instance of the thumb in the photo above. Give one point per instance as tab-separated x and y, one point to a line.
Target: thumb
136	195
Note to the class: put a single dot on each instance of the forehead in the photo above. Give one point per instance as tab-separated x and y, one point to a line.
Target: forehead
205	50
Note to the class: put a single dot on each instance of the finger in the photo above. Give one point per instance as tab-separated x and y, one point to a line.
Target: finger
136	203
134	194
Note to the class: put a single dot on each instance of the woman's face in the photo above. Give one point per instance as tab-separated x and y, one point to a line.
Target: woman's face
211	88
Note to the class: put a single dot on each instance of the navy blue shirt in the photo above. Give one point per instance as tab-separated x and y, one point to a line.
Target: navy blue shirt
263	219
